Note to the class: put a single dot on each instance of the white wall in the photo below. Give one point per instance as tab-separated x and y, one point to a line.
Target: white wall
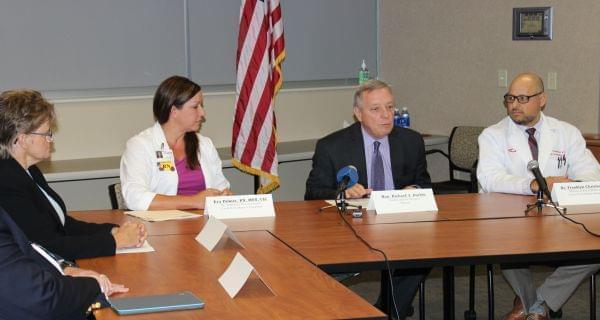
90	128
443	59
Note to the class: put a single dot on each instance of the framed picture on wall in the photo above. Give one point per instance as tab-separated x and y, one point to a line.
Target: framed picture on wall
532	23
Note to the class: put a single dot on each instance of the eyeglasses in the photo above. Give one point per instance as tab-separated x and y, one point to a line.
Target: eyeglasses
49	135
509	98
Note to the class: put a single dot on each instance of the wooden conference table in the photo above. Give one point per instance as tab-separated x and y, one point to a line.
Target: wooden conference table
468	229
296	289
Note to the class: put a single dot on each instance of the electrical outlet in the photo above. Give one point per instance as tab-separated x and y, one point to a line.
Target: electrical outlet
552	81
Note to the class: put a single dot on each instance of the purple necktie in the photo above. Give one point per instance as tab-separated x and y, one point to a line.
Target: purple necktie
533	146
378	179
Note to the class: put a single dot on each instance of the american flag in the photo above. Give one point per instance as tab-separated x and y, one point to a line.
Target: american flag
261	50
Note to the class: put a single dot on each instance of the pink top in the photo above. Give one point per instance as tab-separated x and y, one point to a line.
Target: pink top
190	181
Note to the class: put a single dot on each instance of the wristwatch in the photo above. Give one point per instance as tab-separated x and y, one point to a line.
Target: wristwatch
66	263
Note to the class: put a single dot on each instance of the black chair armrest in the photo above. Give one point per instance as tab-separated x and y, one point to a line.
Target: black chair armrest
432	151
474	188
112	195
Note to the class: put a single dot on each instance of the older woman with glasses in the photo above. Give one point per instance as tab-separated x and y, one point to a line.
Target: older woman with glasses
26	122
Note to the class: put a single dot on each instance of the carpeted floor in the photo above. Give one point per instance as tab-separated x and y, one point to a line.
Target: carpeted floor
367	285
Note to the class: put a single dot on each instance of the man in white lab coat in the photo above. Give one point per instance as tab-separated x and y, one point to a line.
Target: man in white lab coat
504	151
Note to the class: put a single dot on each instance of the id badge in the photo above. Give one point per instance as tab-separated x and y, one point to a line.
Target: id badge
164	160
166	165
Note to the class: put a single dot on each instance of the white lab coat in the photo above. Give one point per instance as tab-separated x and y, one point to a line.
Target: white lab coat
504	153
141	179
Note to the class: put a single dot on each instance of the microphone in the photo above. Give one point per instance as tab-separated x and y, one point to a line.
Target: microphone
534	167
346	178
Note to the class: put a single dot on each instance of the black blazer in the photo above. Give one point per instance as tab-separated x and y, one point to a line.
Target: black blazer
33	213
346	147
31	287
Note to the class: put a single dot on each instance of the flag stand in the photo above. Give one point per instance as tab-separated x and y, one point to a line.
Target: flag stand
256	183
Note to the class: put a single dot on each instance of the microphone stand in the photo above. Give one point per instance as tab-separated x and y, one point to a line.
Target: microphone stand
340	202
540	204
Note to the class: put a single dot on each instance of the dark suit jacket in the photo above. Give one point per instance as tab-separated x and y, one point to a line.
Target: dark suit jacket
346	147
33	213
31	287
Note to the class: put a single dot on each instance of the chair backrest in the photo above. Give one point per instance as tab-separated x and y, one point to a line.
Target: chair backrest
116	197
463	148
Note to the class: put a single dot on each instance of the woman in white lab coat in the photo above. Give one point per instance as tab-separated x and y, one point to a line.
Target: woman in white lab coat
170	165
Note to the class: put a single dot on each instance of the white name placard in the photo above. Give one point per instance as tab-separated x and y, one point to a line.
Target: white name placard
577	197
244	206
236	275
213	231
399	201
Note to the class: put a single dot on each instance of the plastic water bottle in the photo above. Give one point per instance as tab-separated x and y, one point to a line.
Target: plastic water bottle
405	118
397	118
363	73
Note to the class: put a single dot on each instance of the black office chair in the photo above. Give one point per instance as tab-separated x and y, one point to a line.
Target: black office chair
116	197
592	297
462	155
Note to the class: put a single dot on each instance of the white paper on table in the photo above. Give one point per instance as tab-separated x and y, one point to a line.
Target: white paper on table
371	203
213	231
162	215
146	247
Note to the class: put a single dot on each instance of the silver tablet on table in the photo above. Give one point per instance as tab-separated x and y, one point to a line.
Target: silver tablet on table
158	303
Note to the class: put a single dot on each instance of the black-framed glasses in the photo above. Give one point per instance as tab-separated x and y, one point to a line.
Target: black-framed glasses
509	98
48	135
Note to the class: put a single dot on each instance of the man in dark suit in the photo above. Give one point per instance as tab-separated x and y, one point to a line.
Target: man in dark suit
402	150
386	158
34	288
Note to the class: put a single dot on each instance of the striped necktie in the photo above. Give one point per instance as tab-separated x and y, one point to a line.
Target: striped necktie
533	146
378	179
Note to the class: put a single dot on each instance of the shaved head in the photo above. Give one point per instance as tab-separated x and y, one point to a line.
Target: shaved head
533	80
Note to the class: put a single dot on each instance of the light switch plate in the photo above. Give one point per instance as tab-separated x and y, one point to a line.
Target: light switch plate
502	78
552	81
